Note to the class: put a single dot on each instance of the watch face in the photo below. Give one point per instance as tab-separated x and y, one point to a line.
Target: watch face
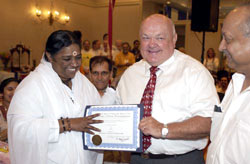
164	131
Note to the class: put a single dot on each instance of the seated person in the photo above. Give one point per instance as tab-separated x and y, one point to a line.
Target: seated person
7	89
86	55
223	80
124	59
211	62
136	50
96	48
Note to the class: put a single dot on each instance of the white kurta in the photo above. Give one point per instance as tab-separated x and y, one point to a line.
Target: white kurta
230	132
39	101
109	97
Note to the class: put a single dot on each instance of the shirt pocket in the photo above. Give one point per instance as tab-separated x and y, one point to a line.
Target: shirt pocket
216	122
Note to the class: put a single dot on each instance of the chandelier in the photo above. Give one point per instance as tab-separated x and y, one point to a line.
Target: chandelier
51	15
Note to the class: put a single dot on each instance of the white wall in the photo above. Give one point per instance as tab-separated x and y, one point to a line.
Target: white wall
150	8
193	40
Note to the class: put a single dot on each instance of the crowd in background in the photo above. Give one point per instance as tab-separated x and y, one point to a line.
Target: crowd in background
219	70
122	54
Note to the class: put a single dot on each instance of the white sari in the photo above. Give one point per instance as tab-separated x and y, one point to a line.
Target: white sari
39	101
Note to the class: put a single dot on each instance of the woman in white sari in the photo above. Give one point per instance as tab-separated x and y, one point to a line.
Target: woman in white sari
45	117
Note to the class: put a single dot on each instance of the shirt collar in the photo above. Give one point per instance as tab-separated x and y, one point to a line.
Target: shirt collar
237	82
162	66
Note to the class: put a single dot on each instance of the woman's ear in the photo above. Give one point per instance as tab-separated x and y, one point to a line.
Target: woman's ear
49	57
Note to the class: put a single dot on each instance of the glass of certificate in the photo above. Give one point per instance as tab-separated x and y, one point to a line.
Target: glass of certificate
119	131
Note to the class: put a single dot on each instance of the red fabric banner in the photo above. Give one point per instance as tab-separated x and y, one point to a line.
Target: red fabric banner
110	24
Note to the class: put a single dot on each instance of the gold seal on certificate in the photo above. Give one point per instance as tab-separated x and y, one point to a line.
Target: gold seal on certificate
97	140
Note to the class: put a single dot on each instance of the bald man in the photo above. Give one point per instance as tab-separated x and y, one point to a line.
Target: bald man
230	131
183	100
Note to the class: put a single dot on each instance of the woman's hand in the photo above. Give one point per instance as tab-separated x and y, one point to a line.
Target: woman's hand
83	124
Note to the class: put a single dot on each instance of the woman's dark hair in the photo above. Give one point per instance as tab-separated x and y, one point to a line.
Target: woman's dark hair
78	34
5	82
60	39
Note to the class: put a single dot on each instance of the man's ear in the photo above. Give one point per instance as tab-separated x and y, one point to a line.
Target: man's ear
175	38
49	56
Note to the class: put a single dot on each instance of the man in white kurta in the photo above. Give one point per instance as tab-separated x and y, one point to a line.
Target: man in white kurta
39	101
109	97
230	132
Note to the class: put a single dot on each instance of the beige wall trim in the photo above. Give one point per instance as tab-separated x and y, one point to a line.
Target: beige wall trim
94	4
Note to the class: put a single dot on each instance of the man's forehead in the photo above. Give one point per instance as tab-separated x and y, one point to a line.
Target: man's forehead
236	17
230	26
156	18
101	65
156	32
156	28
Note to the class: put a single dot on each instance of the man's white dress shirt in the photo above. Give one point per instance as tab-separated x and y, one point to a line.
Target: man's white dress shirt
184	89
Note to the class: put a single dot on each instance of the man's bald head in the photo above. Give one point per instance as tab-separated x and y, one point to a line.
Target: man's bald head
241	18
158	38
245	25
236	39
158	18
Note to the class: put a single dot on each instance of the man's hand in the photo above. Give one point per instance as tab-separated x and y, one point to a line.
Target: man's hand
150	126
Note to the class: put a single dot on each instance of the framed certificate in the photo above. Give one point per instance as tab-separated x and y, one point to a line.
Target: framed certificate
119	131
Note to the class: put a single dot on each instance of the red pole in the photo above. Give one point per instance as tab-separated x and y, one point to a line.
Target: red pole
110	25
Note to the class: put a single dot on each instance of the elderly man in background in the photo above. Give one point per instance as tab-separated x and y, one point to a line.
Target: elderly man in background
86	55
178	109
124	59
96	48
230	130
116	49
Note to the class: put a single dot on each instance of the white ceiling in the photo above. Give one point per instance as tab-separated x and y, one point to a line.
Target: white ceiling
225	5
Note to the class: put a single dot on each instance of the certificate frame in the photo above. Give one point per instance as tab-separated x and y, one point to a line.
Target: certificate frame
136	143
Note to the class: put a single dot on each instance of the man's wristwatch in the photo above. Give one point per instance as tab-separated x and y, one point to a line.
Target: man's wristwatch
164	131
